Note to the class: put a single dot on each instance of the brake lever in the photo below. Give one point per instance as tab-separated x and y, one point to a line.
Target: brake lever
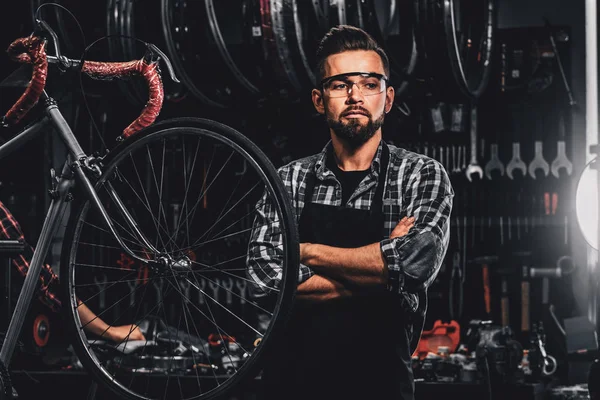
153	50
43	25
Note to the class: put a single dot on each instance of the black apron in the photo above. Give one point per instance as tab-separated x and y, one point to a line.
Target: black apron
356	348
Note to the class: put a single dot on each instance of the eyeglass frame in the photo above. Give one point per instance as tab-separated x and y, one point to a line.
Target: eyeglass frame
383	77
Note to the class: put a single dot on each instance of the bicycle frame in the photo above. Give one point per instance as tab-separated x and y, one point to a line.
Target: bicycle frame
74	168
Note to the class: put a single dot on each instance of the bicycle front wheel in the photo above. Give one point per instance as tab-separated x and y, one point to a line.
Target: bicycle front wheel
182	197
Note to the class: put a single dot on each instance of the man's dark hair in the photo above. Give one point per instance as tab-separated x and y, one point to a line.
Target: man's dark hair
343	38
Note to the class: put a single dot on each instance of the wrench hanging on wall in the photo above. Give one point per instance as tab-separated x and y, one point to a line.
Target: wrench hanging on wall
561	161
494	163
538	161
473	167
516	163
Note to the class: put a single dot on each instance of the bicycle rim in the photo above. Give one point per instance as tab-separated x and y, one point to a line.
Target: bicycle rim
193	187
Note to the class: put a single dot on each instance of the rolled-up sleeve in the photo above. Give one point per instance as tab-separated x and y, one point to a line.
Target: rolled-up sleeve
414	260
265	248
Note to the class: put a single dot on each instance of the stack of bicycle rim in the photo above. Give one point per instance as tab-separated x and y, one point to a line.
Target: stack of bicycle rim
456	39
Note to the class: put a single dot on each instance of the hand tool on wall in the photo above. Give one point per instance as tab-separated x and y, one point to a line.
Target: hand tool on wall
564	266
473	167
516	162
241	285
202	286
494	162
214	286
487	294
561	160
505	274
525	298
227	284
485	262
454	163
572	101
538	161
456	286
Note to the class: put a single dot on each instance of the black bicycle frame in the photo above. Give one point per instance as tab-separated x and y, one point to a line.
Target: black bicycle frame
74	167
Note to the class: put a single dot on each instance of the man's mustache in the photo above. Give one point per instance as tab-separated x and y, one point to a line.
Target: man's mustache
356	110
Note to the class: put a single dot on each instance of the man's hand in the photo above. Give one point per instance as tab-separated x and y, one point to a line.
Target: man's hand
124	333
403	227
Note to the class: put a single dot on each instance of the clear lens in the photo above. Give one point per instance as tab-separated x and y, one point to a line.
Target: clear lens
341	85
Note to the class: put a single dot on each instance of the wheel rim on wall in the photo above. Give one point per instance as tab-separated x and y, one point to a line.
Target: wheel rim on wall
220	63
457	44
396	34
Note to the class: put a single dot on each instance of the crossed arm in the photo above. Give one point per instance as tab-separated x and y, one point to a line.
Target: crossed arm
342	272
406	262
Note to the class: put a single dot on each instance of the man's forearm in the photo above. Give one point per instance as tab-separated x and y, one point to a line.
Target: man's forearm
321	288
363	266
90	321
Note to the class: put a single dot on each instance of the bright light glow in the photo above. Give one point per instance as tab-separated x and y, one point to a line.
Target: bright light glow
586	204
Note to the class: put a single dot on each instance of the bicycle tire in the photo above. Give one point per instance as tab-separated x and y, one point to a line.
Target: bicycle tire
87	249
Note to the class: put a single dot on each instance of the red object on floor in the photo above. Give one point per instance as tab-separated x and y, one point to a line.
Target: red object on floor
442	334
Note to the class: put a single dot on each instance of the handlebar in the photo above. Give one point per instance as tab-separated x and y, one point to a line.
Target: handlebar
32	50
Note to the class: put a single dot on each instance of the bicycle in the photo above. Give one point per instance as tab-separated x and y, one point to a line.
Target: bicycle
167	211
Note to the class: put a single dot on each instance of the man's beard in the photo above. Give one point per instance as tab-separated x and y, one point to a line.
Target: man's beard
353	132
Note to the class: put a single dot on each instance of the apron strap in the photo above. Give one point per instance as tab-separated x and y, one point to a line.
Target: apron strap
377	204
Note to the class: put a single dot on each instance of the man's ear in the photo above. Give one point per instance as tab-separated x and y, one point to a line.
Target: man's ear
317	99
389	98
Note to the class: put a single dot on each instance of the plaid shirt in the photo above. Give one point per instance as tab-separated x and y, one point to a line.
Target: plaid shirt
416	186
10	229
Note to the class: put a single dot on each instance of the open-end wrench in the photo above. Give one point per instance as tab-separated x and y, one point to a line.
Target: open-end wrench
227	284
561	160
214	285
538	161
516	162
241	285
455	167
202	284
473	167
494	163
